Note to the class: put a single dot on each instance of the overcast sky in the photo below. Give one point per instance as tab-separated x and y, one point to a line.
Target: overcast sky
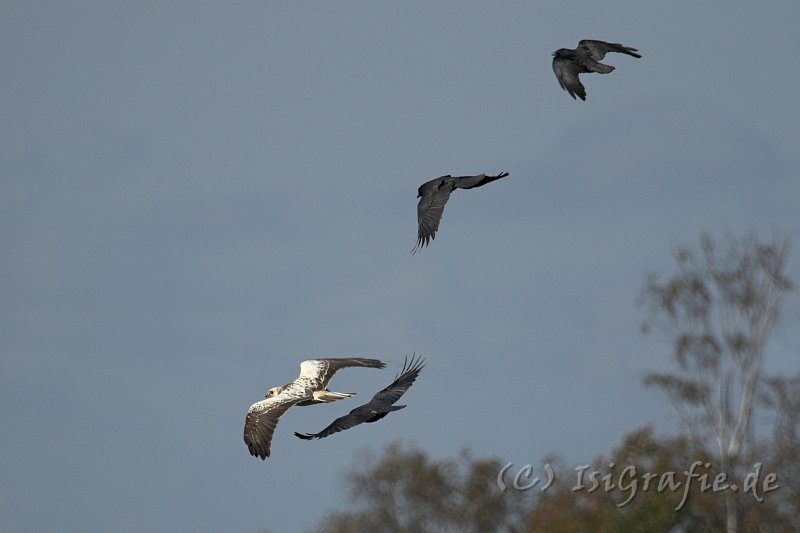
197	196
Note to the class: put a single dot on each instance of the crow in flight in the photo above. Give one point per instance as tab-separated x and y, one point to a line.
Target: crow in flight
567	63
434	194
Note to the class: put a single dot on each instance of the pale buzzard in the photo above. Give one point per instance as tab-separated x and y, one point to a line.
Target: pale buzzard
309	388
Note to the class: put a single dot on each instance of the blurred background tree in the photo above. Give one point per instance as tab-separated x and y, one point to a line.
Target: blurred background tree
719	307
566	510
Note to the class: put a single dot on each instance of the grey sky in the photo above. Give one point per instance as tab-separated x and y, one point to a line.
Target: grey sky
197	196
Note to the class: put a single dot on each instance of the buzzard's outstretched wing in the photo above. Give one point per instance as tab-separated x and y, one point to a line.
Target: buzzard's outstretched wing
262	417
324	369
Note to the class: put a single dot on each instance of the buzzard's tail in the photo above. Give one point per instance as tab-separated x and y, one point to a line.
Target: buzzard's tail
330	396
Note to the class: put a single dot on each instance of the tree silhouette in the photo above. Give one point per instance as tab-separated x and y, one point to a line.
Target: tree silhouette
629	507
404	490
720	307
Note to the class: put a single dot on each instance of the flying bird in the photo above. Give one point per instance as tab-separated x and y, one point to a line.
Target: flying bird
568	63
309	388
379	406
434	194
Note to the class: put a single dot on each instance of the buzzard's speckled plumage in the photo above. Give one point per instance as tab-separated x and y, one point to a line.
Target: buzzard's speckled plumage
309	388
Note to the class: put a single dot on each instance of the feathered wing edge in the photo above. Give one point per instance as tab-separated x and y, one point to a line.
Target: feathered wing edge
261	420
402	381
324	369
470	182
566	71
429	215
598	49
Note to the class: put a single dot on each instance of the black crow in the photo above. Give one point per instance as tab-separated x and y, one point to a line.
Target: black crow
434	194
567	63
